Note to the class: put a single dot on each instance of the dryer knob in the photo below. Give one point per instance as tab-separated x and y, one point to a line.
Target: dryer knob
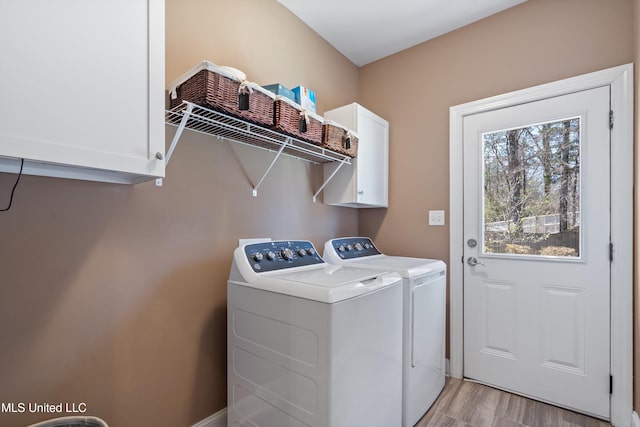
349	247
358	246
341	248
311	251
287	254
271	255
257	256
301	252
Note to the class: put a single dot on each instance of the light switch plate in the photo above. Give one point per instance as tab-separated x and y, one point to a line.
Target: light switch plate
436	217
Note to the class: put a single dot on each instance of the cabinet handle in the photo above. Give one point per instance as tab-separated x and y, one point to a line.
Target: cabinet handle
159	155
361	192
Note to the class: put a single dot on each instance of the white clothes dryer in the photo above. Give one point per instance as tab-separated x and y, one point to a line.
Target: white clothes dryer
310	343
424	300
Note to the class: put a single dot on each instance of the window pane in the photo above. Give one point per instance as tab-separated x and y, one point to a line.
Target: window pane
532	190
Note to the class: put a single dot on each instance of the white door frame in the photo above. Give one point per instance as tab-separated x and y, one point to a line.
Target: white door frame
620	79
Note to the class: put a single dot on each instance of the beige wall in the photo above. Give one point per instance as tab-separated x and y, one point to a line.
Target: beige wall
536	42
115	295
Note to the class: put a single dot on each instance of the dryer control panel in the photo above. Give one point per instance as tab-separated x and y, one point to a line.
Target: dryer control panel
354	247
278	255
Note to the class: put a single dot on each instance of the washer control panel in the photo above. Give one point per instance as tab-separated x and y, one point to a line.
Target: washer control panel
354	247
278	255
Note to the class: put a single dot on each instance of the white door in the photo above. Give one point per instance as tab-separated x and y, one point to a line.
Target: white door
537	222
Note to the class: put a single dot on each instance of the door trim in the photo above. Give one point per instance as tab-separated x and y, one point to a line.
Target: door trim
620	80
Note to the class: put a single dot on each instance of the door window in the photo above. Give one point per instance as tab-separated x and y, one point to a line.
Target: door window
531	190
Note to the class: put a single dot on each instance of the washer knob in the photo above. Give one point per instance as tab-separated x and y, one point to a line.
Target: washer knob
367	245
349	247
287	254
311	251
341	248
257	256
358	246
302	252
271	255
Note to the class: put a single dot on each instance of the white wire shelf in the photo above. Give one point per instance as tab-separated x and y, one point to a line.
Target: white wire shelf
222	126
203	120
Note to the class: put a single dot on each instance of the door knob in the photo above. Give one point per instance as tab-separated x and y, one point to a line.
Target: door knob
472	261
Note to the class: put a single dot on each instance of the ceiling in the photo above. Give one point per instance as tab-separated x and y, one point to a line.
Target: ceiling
365	31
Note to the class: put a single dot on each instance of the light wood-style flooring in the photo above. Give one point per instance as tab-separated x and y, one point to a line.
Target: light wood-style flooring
465	404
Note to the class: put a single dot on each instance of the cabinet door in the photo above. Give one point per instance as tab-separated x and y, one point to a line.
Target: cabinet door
364	183
371	165
83	87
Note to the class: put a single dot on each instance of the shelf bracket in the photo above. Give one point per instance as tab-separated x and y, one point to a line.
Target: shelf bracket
342	162
273	162
176	137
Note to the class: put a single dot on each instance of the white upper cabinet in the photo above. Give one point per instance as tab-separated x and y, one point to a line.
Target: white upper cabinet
364	183
83	88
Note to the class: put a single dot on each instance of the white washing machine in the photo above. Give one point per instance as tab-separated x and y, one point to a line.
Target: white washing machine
310	343
424	283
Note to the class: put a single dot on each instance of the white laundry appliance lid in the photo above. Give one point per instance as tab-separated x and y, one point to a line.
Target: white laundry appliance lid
361	252
294	268
405	266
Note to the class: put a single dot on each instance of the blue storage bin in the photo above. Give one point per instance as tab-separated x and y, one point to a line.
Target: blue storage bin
278	89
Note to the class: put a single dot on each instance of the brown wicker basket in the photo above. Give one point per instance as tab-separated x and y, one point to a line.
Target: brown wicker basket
291	119
337	138
210	86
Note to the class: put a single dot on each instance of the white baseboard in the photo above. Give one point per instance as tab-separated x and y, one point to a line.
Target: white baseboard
219	419
635	420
